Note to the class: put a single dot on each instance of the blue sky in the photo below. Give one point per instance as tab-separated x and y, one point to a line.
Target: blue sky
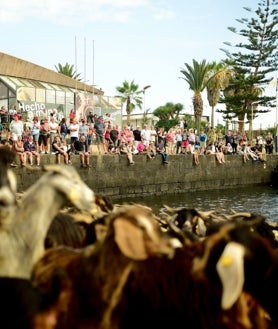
147	41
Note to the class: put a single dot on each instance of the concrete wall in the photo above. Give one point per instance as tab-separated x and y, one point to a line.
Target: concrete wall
112	176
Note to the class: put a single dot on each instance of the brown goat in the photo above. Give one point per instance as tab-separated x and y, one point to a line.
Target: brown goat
137	278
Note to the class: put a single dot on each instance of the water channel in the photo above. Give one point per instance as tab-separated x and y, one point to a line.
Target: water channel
260	200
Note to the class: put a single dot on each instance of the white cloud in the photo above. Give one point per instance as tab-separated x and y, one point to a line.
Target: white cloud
62	11
164	14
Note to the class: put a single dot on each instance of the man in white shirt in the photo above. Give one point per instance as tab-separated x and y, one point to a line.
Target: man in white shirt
53	129
74	132
146	135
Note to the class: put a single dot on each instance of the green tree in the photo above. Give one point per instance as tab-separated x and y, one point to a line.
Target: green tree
130	95
254	59
168	115
67	70
145	120
197	77
221	74
237	103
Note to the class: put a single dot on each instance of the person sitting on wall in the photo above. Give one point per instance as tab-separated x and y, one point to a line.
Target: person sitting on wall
59	150
196	152
252	152
151	151
141	147
31	149
219	154
258	150
161	150
127	148
81	148
19	149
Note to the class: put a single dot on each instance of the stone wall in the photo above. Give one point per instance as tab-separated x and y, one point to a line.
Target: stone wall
112	176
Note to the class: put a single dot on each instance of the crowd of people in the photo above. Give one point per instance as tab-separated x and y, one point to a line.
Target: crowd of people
69	137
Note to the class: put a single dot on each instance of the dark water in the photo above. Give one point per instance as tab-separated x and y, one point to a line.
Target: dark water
260	200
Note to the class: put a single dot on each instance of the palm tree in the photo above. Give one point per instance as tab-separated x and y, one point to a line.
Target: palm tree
196	77
67	70
130	94
220	74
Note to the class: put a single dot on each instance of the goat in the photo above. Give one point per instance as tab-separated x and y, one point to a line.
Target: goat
138	277
23	230
200	224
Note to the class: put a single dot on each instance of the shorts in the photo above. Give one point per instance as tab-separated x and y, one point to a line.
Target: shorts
99	138
184	143
36	137
73	139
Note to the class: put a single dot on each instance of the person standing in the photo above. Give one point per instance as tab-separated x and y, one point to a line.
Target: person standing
153	135
72	115
99	129
63	129
178	138
203	141
235	140
146	135
84	130
4	115
269	143
211	135
54	128
192	139
12	111
161	133
35	131
16	128
171	140
107	139
74	132
137	136
44	135
228	138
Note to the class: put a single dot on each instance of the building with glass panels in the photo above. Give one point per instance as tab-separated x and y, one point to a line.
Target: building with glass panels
33	90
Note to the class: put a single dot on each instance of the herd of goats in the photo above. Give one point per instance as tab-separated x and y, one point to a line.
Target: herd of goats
70	259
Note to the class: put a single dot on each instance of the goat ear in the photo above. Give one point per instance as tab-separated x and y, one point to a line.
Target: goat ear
130	239
230	268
